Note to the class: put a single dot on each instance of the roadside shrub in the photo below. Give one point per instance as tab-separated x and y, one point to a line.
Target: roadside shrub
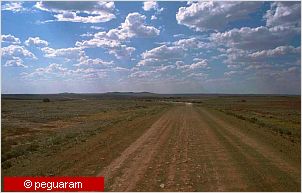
46	100
33	147
241	117
198	102
19	151
281	132
6	165
254	119
288	132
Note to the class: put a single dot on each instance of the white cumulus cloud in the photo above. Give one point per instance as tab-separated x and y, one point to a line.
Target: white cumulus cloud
12	6
161	55
14	55
163	52
153	17
85	61
96	11
148	5
15	62
197	64
258	38
134	26
66	53
276	52
36	41
214	15
284	13
113	40
17	51
10	39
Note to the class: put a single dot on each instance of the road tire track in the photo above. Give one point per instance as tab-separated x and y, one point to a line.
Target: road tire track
133	162
191	149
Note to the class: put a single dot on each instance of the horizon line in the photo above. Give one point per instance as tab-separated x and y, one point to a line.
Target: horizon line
134	92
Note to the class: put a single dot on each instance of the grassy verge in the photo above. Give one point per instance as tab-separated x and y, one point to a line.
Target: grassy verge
280	115
27	133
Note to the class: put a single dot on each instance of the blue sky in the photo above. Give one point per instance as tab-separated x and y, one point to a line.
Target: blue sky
162	47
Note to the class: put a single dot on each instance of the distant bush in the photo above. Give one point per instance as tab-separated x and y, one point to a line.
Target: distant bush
254	119
19	151
46	100
288	132
6	165
196	102
33	147
243	100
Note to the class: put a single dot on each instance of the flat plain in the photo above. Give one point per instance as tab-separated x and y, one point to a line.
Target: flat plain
146	142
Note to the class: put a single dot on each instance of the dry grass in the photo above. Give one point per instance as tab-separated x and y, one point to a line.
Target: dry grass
32	127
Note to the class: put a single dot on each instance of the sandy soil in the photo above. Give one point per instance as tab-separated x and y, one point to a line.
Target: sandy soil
194	149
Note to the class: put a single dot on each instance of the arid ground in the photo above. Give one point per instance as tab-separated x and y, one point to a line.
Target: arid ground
158	143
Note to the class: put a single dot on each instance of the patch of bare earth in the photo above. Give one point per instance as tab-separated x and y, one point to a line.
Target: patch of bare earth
262	165
125	171
194	150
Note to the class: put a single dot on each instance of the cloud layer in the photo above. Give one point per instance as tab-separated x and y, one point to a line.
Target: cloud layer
154	46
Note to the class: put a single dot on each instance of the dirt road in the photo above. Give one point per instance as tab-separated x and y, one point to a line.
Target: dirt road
193	149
